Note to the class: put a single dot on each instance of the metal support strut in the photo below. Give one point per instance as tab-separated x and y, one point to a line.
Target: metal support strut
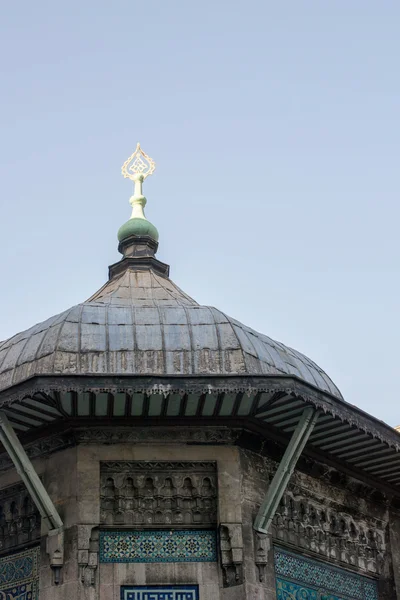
286	467
28	474
36	489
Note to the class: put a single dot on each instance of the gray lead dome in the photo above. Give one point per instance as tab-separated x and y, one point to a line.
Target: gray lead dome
141	323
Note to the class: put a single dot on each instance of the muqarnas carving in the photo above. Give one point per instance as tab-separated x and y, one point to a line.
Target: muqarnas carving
158	493
19	518
330	532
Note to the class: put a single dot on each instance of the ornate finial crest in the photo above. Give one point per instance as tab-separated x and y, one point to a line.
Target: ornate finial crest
138	165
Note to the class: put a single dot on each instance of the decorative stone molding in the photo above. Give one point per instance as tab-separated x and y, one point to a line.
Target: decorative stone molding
231	545
19	518
41	448
332	533
129	435
158	493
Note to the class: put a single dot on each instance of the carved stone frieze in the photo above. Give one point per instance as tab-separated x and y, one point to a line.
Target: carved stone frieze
331	532
162	435
158	493
41	448
19	519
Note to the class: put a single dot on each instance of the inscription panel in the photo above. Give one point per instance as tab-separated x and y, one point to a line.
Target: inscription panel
166	592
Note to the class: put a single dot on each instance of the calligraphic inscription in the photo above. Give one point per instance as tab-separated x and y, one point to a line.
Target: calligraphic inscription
19	576
158	546
299	577
155	592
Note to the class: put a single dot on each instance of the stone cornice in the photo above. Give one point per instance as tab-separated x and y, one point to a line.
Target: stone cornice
128	435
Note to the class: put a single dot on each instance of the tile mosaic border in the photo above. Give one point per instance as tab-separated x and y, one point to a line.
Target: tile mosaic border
19	575
297	573
150	546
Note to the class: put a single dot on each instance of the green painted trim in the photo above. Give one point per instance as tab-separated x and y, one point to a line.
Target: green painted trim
26	471
285	470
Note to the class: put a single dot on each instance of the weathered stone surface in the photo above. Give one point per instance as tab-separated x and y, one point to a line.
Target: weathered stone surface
321	519
75	478
394	536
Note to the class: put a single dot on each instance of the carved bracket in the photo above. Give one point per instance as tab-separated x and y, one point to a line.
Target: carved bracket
231	546
261	547
55	550
88	554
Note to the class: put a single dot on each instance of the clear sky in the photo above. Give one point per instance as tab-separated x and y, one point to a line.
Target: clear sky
275	128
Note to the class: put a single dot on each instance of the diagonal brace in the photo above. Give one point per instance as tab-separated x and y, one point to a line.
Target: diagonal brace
28	474
286	467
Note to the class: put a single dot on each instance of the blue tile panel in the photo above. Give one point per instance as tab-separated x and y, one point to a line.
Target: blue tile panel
19	576
300	578
158	546
158	592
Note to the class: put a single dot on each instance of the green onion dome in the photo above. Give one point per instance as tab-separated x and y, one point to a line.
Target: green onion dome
137	226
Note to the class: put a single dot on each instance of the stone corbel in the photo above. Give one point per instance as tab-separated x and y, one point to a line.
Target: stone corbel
231	544
88	554
261	547
55	550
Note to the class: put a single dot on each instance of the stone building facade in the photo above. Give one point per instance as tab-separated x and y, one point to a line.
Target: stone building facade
155	449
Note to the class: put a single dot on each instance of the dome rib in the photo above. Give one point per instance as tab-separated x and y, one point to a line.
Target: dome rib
162	332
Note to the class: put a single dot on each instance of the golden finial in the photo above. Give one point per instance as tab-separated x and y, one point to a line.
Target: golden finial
139	164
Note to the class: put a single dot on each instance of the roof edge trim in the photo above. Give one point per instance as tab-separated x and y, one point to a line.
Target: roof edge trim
158	384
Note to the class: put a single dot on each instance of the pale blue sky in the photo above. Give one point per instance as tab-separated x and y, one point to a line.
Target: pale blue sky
275	128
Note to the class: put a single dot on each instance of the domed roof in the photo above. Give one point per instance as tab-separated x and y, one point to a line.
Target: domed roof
141	323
